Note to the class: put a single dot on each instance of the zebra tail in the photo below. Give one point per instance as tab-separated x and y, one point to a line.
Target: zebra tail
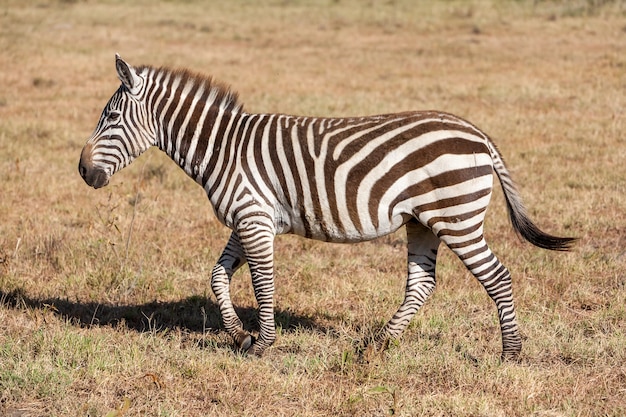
520	220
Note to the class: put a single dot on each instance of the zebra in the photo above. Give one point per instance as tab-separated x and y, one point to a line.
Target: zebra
349	179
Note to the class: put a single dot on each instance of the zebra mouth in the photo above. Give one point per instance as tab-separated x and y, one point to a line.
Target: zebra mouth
100	181
95	177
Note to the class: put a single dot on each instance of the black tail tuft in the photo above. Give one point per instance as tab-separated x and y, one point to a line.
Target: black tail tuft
529	231
519	218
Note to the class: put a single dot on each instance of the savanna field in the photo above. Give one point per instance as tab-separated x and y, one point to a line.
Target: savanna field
105	300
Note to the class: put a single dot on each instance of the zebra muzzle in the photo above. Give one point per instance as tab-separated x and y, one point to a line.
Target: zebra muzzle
96	177
93	175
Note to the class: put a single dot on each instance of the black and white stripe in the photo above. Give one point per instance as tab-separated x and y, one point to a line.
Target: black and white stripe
331	179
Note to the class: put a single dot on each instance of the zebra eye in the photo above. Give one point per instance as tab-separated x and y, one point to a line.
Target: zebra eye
113	116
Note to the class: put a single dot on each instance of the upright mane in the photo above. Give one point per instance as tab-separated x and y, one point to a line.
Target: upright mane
225	97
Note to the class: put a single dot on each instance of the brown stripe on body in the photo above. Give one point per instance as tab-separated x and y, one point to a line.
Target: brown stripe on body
445	202
380	127
194	121
295	173
364	167
203	138
317	128
286	125
153	90
335	138
421	157
236	183
309	168
455	218
220	141
330	168
279	183
252	138
330	165
355	175
163	94
410	163
148	93
167	117
230	143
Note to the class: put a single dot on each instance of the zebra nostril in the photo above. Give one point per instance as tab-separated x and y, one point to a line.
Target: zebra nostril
83	171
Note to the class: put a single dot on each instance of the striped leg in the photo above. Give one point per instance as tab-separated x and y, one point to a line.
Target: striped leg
232	258
422	256
257	241
496	279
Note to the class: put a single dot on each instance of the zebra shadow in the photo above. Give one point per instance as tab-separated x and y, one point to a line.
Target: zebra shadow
196	315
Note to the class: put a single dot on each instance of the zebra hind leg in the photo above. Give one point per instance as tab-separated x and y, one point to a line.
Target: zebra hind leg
232	258
422	247
496	280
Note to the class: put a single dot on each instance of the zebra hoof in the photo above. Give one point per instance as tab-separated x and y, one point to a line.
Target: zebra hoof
510	357
374	350
511	350
246	343
255	350
243	340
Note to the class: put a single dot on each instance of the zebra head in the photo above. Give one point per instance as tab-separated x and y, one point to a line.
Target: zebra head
124	131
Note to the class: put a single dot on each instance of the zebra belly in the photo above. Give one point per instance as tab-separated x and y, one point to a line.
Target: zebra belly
316	228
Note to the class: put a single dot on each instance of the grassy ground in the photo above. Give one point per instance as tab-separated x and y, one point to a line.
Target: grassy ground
105	305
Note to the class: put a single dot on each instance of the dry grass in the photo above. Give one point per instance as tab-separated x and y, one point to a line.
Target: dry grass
105	307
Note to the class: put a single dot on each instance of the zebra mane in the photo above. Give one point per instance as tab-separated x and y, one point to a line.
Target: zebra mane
224	96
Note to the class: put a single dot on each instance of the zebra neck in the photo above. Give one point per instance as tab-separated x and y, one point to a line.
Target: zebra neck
197	139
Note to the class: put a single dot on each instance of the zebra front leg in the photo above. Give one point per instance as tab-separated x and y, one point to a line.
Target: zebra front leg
422	247
257	241
231	260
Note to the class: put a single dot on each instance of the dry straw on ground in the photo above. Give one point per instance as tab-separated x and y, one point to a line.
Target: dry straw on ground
105	307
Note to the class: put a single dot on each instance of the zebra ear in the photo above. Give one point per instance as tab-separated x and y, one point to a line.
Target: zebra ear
127	74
